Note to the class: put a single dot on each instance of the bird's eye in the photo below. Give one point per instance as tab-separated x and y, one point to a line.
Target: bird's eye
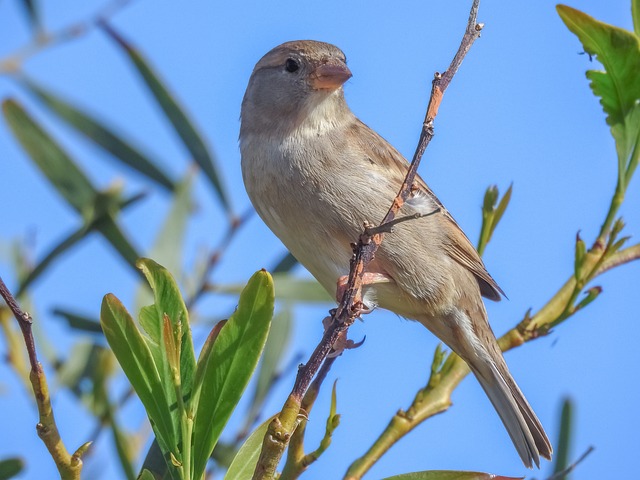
291	65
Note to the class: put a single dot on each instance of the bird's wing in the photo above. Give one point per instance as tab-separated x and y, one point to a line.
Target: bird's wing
458	246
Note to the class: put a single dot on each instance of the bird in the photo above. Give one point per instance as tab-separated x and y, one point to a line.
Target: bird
315	174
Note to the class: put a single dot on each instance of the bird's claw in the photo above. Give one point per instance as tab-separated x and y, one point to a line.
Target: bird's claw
342	344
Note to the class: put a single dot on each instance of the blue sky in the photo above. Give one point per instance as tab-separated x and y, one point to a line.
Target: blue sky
519	111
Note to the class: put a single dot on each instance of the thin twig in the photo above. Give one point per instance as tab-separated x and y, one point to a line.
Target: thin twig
283	426
42	40
563	474
217	254
297	462
69	466
388	227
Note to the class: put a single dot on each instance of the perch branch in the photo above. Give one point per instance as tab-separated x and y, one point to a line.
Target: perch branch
283	425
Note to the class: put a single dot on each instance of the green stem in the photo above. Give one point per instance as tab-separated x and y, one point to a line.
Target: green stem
633	162
436	397
616	202
277	439
186	426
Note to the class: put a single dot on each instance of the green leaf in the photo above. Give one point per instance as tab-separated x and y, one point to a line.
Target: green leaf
580	254
56	165
79	322
203	359
67	243
176	115
146	475
78	367
101	135
169	302
229	366
288	288
10	467
118	240
450	475
502	206
167	248
274	349
48	259
69	180
31	7
285	264
245	461
618	88
124	449
590	296
635	13
135	358
492	212
563	448
156	465
333	421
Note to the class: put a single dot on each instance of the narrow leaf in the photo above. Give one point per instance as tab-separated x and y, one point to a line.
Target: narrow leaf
502	206
146	475
285	264
564	437
111	231
79	322
590	296
157	466
274	350
169	303
245	461
56	165
333	421
167	248
10	467
450	475
288	288
77	366
134	357
492	212
102	135
54	253
203	359
68	179
169	241
580	254
124	451
33	12
66	244
635	13
176	115
229	367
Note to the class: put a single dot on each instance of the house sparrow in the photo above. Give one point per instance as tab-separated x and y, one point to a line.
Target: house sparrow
315	174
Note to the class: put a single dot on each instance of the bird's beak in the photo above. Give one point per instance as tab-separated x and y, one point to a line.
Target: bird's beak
329	76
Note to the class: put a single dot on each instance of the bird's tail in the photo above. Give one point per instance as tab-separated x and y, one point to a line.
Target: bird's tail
518	417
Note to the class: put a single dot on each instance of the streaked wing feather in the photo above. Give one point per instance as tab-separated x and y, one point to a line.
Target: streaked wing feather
460	247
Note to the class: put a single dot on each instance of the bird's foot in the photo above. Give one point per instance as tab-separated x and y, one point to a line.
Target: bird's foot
342	343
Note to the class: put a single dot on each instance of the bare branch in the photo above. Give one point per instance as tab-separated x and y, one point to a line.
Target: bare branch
68	465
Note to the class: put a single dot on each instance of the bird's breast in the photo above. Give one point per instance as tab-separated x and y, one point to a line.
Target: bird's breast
300	202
